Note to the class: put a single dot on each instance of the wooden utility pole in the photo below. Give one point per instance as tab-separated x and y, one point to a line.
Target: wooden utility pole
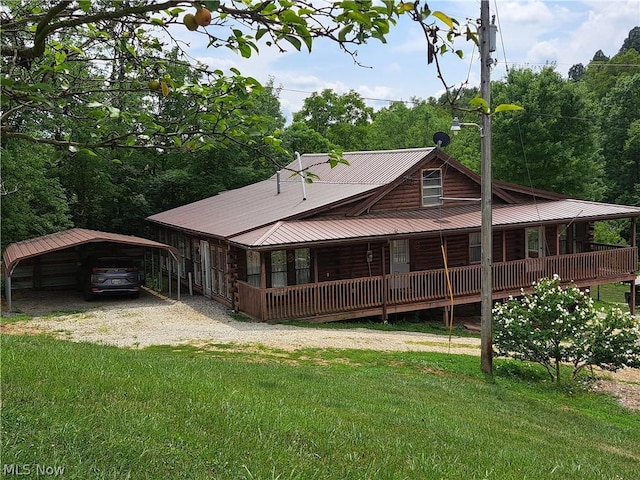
486	244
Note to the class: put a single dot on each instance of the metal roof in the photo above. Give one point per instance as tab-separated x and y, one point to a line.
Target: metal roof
433	220
18	251
237	211
272	212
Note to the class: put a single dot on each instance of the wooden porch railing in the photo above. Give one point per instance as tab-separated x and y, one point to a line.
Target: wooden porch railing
429	288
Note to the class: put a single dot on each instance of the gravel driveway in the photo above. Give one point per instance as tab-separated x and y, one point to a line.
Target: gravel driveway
157	320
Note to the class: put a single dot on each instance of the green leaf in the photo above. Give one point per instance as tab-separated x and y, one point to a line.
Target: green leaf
60	56
260	33
480	103
212	5
506	107
85	5
245	51
89	152
295	41
342	34
444	18
157	21
289	16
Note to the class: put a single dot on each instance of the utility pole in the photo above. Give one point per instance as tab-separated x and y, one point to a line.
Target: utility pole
486	191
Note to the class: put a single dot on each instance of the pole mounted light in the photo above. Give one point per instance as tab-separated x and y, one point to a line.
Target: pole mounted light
457	125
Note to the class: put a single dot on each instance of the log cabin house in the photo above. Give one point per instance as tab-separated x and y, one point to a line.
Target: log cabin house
380	236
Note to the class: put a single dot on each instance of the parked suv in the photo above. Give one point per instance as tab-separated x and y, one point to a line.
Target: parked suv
110	276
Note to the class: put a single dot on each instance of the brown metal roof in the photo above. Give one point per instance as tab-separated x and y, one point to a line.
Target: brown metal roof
433	220
18	251
236	211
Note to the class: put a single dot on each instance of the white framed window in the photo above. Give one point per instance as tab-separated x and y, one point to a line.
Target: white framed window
253	268
475	247
431	187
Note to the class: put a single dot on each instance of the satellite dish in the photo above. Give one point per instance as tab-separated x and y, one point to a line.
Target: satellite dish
441	139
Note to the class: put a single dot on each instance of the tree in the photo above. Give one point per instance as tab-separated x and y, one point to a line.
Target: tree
620	132
556	325
553	143
407	126
301	138
341	119
33	201
632	41
46	44
576	72
601	76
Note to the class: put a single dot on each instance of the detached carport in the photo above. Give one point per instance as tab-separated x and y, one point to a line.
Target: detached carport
63	250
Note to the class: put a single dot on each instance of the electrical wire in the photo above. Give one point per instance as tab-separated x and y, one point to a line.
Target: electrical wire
504	50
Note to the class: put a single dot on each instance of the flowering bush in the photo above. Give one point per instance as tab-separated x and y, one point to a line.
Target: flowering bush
556	325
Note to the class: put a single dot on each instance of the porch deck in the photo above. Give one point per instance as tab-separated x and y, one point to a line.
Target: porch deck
384	294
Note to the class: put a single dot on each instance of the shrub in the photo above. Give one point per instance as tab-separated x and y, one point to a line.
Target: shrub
556	325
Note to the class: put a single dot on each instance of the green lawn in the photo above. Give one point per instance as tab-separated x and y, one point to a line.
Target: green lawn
232	413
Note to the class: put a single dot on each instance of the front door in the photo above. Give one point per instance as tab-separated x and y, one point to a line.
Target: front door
535	242
399	263
399	256
534	248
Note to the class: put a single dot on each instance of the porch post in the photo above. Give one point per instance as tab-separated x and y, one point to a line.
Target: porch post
632	296
316	296
385	318
263	287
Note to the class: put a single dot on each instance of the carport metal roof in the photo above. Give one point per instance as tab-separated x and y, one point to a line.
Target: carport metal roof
16	252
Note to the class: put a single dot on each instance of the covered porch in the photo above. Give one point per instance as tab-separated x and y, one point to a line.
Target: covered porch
381	295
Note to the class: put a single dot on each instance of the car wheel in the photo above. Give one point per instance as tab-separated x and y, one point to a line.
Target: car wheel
87	296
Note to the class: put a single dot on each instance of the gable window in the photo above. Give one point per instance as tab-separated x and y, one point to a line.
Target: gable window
431	187
253	268
475	242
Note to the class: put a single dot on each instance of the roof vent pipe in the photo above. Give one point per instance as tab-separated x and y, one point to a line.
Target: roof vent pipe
304	192
278	182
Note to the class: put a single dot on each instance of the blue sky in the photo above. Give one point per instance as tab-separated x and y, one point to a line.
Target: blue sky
530	33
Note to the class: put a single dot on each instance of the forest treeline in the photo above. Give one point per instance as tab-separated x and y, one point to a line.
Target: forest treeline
579	134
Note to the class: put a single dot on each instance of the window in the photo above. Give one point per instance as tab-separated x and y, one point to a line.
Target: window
475	250
303	266
253	268
431	187
279	268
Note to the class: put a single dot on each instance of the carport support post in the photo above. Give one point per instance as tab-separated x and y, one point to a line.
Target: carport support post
7	290
178	286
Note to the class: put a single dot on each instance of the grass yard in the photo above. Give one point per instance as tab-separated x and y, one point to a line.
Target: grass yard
228	412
